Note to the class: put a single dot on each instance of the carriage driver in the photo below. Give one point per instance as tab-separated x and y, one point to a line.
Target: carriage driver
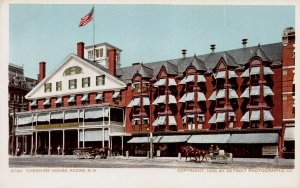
216	152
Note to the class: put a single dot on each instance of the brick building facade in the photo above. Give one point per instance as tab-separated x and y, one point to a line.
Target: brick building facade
18	87
234	98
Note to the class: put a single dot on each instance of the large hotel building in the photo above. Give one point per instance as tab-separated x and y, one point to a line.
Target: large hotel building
241	100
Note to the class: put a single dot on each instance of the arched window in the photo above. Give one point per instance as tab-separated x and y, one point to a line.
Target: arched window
72	70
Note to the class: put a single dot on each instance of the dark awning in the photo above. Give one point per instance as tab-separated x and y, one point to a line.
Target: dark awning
209	139
254	138
140	140
174	139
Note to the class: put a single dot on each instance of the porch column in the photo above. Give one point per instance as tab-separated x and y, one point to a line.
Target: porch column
49	146
31	149
63	144
36	141
17	144
25	143
78	138
83	138
103	138
122	139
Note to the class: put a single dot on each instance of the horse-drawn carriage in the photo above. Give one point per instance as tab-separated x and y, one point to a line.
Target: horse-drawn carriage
199	155
91	153
219	157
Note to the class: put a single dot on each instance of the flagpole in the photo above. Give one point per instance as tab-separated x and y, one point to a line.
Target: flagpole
94	32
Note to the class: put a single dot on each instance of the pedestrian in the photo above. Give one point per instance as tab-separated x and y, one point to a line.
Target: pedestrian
58	149
211	150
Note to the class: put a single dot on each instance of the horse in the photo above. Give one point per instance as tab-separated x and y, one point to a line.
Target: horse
190	151
103	152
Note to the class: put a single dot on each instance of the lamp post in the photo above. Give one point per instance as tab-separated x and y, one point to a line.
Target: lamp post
150	143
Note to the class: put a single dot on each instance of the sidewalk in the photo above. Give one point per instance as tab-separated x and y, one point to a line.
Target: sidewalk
257	160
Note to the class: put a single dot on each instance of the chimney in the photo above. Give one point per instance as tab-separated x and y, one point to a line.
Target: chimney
42	71
244	42
212	47
183	52
80	49
112	61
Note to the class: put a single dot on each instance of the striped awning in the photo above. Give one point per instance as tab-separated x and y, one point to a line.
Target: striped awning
220	74
256	70
23	120
93	135
213	96
254	138
93	113
136	102
255	116
59	100
47	102
43	117
142	140
190	97
33	103
162	82
209	139
116	95
71	99
213	119
245	73
57	115
220	117
71	114
162	99
245	117
220	94
191	78
174	139
85	97
289	134
99	96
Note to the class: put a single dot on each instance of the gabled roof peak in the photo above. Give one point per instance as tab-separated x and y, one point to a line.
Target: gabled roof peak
260	53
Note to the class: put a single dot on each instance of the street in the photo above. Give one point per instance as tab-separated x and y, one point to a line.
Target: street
55	161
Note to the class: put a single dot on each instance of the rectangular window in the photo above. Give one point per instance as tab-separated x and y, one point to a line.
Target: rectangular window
47	87
90	54
100	80
58	86
86	82
101	52
73	84
97	53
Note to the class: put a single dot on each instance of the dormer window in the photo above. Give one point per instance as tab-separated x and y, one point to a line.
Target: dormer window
47	87
90	54
136	87
98	53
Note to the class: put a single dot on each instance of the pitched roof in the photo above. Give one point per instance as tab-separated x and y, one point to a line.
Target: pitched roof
146	72
235	57
198	63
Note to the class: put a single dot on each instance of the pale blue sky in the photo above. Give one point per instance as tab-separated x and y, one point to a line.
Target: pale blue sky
145	33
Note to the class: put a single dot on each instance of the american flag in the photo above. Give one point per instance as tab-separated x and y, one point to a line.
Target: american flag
87	18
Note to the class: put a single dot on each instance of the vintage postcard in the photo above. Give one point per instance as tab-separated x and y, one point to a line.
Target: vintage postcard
142	94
